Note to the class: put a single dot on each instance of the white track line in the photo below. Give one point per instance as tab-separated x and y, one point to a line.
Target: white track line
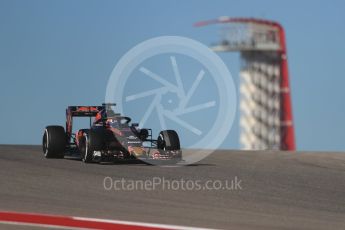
142	224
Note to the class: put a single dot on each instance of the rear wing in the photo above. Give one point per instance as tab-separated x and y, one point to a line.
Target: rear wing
79	111
83	111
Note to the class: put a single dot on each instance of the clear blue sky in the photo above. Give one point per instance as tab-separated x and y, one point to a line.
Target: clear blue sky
57	53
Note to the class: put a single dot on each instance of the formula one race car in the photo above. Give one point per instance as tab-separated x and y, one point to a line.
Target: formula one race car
110	136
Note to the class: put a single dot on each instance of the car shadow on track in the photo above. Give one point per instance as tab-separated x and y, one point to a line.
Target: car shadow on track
135	162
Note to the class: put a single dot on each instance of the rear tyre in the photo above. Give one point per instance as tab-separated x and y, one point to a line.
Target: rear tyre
54	142
168	140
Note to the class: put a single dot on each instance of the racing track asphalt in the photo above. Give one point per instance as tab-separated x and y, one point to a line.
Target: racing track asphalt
280	190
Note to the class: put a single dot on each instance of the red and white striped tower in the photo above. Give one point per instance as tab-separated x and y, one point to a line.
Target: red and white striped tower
266	113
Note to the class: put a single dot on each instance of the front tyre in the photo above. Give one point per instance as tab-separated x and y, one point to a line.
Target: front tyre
86	149
54	142
92	141
168	140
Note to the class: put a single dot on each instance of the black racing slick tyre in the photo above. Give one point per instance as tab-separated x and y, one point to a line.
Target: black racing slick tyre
168	140
92	141
54	142
86	151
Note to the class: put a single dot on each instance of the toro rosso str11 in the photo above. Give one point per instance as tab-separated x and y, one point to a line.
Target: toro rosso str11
110	136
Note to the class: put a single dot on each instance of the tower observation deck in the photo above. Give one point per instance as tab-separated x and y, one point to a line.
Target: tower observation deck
266	120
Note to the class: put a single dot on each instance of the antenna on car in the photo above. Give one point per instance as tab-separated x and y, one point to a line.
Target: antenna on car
108	104
110	112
